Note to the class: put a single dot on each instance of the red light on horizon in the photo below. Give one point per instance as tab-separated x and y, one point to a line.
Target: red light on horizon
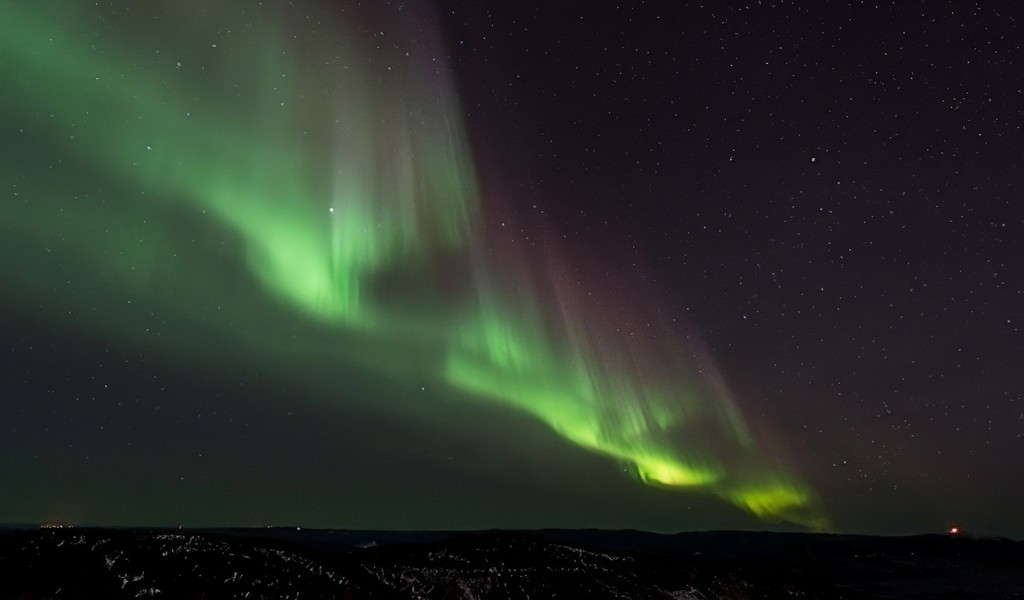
954	530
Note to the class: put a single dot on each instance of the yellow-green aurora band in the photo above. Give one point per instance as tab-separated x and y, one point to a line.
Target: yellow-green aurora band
337	160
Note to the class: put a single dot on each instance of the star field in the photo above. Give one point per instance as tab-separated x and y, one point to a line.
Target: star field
501	265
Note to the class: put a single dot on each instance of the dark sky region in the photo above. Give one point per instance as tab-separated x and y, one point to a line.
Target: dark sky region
659	265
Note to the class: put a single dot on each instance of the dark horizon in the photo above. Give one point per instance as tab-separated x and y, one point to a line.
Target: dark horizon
592	564
791	529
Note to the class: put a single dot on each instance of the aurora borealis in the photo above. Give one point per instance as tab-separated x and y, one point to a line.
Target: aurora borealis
297	191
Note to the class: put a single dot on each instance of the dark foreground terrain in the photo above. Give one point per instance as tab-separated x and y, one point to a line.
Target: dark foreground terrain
288	563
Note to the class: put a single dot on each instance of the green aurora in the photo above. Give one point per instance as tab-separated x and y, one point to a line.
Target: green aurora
333	172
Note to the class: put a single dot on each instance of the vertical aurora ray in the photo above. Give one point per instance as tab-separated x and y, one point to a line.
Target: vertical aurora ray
341	169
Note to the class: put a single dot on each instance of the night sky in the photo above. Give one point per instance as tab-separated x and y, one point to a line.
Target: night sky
379	265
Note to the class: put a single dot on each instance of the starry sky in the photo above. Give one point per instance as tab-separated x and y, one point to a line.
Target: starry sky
420	265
